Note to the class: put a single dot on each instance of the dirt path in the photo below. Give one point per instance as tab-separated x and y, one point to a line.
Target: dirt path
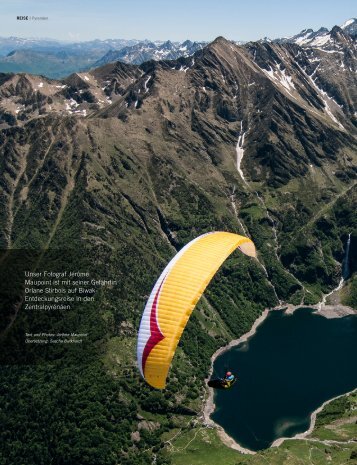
325	208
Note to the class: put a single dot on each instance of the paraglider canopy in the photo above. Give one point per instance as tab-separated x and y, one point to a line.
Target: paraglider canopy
174	297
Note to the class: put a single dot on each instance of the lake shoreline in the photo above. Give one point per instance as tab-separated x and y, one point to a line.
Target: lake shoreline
326	311
313	416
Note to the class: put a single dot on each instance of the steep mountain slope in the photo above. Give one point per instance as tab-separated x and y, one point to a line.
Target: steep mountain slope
293	113
112	171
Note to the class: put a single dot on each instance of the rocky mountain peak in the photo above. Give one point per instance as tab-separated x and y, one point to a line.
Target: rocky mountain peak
340	38
187	43
336	31
220	43
168	45
350	26
145	51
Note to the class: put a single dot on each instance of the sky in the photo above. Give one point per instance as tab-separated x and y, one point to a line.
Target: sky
80	20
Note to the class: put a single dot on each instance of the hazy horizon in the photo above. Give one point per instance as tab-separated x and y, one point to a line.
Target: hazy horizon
176	21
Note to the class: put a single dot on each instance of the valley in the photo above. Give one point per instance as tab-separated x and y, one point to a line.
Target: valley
110	172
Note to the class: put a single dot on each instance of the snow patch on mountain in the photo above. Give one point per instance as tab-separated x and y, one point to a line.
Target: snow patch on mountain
240	151
327	102
347	23
279	76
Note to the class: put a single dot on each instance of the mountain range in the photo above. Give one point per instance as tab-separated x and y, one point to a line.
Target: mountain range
57	59
144	51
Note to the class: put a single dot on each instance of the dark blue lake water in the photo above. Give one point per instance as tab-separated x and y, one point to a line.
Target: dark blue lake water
287	369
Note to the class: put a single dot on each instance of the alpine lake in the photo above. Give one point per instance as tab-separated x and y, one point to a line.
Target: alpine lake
286	370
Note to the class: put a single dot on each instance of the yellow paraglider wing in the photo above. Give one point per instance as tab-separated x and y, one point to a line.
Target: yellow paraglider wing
174	297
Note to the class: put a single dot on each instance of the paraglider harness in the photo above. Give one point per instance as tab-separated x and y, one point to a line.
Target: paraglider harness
223	383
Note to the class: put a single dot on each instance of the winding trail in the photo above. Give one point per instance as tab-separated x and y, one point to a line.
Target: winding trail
234	206
326	207
276	249
246	232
